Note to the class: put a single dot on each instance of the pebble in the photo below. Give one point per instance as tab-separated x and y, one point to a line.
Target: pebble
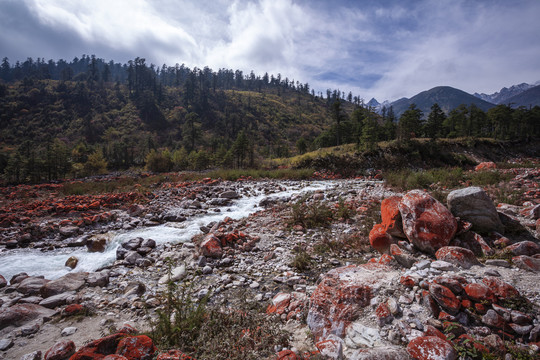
5	344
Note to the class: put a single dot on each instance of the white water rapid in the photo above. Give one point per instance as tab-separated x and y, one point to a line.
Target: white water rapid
51	263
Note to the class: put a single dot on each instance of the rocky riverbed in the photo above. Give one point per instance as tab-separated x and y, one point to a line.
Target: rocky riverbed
414	290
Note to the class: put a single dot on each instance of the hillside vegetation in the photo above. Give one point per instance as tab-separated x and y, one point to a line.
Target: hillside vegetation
86	117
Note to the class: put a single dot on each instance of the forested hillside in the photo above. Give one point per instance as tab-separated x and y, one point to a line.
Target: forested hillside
87	116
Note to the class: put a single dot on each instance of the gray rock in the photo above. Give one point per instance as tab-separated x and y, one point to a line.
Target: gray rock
31	285
36	355
68	231
132	244
359	336
443	266
177	273
58	300
121	253
148	243
68	331
72	262
100	279
132	257
5	344
472	204
207	270
135	289
229	195
143	262
498	262
68	282
31	300
29	329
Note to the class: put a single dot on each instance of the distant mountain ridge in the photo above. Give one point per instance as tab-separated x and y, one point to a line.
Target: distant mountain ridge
530	97
502	96
447	97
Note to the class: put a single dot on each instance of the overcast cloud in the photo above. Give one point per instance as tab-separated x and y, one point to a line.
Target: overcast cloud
383	49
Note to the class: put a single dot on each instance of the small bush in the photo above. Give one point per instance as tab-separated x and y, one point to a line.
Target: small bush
484	178
204	332
301	261
311	214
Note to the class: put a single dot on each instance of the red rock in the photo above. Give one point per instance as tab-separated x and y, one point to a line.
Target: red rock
385	259
426	222
444	316
340	297
174	355
432	331
383	313
454	283
60	351
391	217
500	288
139	347
431	348
280	302
73	309
480	292
457	256
211	247
99	348
379	239
430	304
115	357
127	329
526	263
480	308
445	298
466	304
485	166
527	248
408	281
287	355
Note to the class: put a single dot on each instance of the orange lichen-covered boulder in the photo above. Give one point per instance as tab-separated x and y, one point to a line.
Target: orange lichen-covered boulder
379	239
287	355
136	348
341	295
431	348
391	217
428	224
458	256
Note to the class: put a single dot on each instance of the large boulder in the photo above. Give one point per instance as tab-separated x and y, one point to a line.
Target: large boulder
20	314
341	295
379	239
68	282
428	224
99	348
472	204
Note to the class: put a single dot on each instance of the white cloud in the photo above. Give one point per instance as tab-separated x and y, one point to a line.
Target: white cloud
118	24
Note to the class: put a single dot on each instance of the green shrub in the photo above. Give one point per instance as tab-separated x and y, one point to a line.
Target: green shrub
310	214
206	332
301	261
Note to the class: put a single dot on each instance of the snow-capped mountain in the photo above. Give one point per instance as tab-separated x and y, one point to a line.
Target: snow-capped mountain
505	93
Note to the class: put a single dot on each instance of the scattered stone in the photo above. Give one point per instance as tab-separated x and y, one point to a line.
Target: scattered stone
5	344
458	256
178	273
36	355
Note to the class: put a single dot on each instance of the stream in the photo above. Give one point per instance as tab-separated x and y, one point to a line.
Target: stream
51	264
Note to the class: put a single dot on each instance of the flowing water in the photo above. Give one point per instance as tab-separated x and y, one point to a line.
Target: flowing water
51	264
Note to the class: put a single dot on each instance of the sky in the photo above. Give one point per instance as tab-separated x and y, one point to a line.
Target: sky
385	49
